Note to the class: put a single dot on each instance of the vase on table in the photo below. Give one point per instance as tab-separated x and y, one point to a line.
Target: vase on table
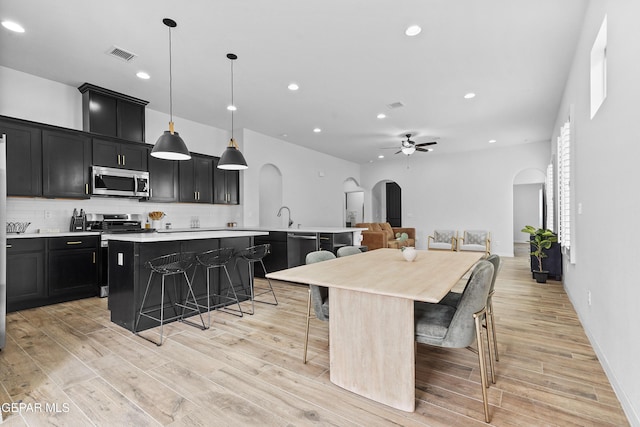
409	253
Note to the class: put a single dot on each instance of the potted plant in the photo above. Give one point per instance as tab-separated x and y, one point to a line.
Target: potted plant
541	240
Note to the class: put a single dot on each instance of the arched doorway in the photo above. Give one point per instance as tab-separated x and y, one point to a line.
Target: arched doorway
386	203
270	195
353	202
528	202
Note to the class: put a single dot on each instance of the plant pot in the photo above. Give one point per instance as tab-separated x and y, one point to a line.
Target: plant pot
540	276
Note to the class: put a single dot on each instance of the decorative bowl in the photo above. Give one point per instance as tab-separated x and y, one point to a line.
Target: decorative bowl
17	227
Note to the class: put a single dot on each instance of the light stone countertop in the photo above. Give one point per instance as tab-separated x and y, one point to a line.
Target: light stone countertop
56	234
179	235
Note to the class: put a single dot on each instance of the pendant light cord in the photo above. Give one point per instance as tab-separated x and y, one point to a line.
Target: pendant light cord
170	80
232	103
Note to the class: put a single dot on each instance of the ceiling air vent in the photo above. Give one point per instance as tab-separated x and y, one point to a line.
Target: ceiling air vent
395	105
120	53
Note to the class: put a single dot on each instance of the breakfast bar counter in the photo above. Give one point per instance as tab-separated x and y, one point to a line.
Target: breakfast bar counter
128	275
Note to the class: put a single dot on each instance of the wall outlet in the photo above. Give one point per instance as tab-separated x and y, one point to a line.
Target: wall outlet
589	298
47	214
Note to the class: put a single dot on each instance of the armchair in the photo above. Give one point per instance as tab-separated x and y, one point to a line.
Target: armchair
381	235
475	240
443	240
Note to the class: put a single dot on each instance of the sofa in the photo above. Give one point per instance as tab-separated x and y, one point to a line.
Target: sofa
381	235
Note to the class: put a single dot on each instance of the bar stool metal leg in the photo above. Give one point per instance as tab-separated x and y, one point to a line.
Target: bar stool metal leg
168	265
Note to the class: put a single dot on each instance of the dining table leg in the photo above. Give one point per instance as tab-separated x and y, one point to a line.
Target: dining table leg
372	346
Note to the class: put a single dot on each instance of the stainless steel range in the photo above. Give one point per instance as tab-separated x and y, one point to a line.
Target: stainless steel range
115	223
108	224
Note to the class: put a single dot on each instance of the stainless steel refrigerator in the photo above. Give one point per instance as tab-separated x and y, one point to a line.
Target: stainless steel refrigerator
3	239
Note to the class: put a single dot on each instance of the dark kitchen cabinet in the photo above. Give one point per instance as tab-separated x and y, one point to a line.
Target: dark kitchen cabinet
196	178
66	157
163	180
24	158
111	113
121	155
277	259
73	266
226	185
26	286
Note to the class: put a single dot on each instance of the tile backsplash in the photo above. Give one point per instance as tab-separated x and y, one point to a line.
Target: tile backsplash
55	214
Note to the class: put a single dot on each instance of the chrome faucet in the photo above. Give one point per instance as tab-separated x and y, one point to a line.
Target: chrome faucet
288	211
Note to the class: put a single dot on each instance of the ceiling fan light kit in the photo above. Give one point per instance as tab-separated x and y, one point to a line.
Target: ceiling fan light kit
408	147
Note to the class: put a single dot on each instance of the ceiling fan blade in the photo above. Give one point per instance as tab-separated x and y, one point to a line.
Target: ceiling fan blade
424	144
398	152
422	149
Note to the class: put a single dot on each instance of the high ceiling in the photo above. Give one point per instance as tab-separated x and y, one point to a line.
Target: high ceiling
350	58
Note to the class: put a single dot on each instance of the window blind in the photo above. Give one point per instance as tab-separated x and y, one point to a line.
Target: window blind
564	186
549	195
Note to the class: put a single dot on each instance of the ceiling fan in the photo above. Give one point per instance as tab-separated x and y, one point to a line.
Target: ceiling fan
408	147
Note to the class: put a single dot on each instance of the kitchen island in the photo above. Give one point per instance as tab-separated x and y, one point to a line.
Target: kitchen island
128	275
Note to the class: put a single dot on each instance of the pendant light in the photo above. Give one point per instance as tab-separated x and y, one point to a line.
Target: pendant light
232	158
170	146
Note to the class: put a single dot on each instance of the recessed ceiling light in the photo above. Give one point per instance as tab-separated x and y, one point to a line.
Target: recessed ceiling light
142	75
13	26
469	95
231	107
413	30
381	116
381	156
317	130
293	86
429	149
284	135
492	141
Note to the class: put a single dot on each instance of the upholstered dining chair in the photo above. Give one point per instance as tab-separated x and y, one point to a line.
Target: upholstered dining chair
348	250
453	299
441	325
319	295
475	240
444	240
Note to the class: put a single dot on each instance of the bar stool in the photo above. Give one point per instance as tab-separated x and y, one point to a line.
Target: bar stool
252	255
217	258
168	265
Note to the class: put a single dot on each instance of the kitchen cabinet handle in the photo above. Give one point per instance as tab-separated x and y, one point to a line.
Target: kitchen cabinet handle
94	257
9	246
86	188
118	158
124	160
150	192
77	242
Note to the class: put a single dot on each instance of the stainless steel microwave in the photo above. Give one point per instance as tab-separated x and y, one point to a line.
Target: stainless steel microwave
119	182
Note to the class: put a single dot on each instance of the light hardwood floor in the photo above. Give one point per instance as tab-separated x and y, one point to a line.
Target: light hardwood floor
248	371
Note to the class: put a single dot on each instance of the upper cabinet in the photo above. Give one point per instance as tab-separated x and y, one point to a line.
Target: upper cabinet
24	158
163	180
119	154
226	185
196	177
111	113
66	157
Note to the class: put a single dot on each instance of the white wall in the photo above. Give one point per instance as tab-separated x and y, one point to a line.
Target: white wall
312	182
606	177
472	190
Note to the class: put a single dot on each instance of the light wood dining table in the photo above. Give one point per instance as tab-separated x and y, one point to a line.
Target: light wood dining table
371	324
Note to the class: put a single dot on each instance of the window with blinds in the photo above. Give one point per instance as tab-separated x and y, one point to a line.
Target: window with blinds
549	195
564	186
